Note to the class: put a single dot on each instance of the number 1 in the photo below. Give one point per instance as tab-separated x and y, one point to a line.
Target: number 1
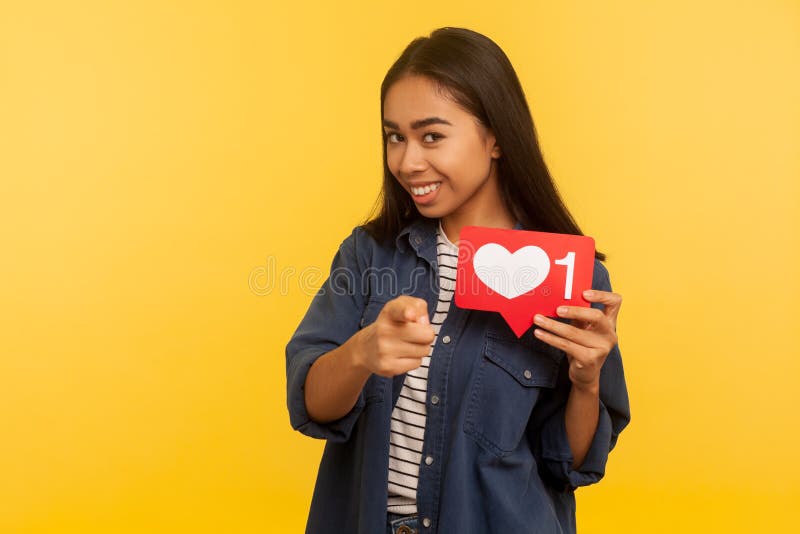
569	261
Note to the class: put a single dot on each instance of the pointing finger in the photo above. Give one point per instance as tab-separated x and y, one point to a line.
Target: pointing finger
408	309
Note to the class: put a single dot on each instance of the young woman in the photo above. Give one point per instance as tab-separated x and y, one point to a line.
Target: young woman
437	418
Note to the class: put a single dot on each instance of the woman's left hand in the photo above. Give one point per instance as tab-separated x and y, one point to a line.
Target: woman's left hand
587	340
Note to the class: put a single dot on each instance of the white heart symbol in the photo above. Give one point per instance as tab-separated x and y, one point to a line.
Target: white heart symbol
511	275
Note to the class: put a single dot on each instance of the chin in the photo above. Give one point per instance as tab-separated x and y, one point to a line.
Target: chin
432	212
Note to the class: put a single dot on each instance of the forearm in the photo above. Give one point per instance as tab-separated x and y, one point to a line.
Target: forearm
334	382
582	415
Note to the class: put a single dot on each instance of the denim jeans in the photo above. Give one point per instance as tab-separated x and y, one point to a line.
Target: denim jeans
401	524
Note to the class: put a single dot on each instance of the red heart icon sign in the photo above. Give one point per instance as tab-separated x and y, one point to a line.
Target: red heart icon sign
520	273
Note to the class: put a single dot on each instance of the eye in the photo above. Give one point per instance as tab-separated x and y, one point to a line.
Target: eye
390	137
433	136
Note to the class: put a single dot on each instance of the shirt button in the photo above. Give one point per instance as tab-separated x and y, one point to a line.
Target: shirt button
426	522
446	340
428	460
434	399
527	374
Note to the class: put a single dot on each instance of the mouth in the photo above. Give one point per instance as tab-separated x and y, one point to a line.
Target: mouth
424	194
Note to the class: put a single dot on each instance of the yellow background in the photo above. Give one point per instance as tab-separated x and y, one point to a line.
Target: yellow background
159	159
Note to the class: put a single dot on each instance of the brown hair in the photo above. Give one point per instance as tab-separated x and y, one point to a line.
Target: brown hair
474	71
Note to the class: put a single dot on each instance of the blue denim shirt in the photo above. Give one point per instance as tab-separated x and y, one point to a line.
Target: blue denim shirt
495	423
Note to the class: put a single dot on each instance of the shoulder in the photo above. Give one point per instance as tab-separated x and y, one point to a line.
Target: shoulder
361	248
600	277
359	240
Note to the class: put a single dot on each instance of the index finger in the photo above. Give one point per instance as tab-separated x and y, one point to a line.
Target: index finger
407	309
612	301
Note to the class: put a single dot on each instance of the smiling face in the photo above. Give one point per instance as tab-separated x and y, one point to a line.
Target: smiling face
442	156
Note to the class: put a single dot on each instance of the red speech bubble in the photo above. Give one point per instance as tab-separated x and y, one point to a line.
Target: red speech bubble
520	273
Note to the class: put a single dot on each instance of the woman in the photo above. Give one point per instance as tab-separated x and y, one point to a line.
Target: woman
437	418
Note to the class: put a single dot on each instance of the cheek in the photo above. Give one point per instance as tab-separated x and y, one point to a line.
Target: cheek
454	166
461	155
392	161
473	164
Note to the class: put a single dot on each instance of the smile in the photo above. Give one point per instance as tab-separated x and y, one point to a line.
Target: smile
419	191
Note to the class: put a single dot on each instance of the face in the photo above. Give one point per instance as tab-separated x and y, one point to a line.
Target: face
439	153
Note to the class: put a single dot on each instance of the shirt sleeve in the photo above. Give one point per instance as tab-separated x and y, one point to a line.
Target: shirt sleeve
331	319
548	427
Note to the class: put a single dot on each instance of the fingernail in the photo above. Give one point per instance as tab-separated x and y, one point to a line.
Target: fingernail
561	310
587	293
424	319
538	318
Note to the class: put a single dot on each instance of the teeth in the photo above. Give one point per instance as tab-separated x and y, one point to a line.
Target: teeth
425	190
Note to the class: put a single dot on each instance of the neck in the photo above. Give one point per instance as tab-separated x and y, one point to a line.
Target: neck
452	225
489	212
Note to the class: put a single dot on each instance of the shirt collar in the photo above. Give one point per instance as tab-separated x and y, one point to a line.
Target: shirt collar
421	234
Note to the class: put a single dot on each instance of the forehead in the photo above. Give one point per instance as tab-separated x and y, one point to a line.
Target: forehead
417	97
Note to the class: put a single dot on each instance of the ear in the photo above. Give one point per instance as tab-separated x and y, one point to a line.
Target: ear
496	152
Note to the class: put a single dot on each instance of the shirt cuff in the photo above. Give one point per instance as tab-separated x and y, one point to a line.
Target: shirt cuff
335	431
557	454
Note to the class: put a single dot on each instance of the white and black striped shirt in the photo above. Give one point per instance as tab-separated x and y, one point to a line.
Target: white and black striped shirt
408	417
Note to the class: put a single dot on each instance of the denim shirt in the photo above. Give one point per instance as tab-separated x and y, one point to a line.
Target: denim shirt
495	425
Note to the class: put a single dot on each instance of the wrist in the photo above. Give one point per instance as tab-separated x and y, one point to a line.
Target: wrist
357	352
589	389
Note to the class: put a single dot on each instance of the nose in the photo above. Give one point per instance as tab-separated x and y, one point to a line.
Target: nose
412	159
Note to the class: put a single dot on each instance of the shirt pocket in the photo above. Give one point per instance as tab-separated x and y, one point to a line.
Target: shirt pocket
507	382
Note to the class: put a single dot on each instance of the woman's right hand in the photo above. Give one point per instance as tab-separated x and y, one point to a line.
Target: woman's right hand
399	338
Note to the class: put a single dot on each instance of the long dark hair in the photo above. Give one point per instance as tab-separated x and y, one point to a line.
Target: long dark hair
478	75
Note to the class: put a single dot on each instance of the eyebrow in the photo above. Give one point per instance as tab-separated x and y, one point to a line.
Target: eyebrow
416	125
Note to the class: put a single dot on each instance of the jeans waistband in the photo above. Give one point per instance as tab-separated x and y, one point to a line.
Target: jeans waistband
401	524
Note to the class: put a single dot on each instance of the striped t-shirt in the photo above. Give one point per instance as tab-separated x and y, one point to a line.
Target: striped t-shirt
408	417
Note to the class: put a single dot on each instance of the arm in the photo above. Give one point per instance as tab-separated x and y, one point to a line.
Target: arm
329	359
582	415
331	320
395	343
576	425
335	381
